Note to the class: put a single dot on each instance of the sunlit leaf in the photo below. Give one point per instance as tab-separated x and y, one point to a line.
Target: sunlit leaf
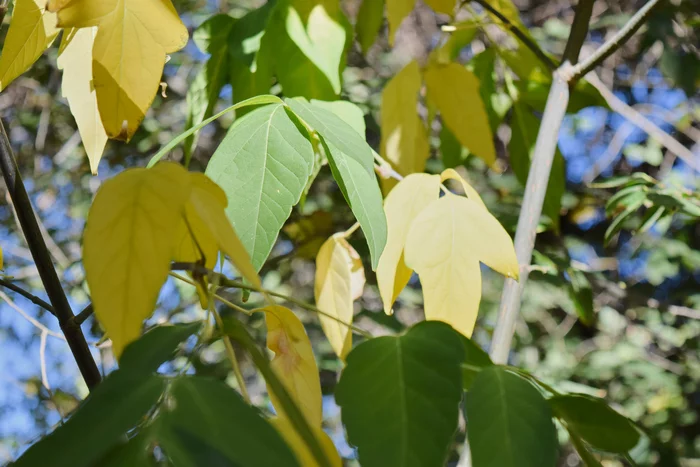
400	395
263	165
340	279
454	90
294	362
128	244
369	22
32	30
301	450
133	38
396	12
469	191
76	62
442	6
445	244
408	199
404	138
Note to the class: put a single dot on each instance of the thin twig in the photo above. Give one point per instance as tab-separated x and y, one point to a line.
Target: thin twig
612	45
31	320
84	315
579	31
42	360
31	297
42	259
611	152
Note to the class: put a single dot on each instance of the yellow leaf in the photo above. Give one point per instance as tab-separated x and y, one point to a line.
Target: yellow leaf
404	138
442	6
133	38
454	90
396	12
451	174
299	447
128	243
206	207
294	362
32	30
340	279
444	246
76	62
406	201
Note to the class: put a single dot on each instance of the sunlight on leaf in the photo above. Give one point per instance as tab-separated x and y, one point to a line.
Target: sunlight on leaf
369	22
444	246
396	12
300	449
76	62
133	38
406	201
340	279
294	362
32	30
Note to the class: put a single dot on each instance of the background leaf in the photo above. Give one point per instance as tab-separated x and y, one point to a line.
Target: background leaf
155	347
369	22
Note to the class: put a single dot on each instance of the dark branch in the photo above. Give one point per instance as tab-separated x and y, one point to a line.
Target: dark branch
579	31
612	45
42	259
31	297
84	315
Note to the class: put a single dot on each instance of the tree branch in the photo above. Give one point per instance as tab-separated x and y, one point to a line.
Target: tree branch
579	31
42	259
29	296
612	45
83	315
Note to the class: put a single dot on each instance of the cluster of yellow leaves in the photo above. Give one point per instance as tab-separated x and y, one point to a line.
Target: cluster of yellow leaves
112	55
139	222
443	239
295	366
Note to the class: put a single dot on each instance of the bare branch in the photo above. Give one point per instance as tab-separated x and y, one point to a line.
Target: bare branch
32	298
579	31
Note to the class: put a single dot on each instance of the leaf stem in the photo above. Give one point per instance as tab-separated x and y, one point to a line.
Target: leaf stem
29	296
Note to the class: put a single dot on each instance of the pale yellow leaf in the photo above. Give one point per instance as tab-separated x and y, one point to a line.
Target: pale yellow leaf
444	246
128	243
396	12
404	138
406	201
76	62
133	38
294	363
32	30
340	279
207	203
454	90
452	174
442	6
299	447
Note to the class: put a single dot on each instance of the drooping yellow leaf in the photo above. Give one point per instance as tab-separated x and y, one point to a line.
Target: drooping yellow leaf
452	174
442	6
406	201
396	12
340	279
299	447
454	90
404	138
128	243
76	62
32	30
206	204
133	38
444	246
294	362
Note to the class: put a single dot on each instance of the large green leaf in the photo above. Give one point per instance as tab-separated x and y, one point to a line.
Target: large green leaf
207	423
595	422
114	407
475	360
525	126
155	347
400	395
262	164
351	161
369	22
509	423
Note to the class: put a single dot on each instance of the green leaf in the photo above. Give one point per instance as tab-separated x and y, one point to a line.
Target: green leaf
453	154
155	347
623	197
211	37
497	103
475	360
595	422
581	295
400	395
207	423
509	422
262	165
114	407
346	111
463	34
369	22
632	202
587	456
525	127
136	452
351	161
